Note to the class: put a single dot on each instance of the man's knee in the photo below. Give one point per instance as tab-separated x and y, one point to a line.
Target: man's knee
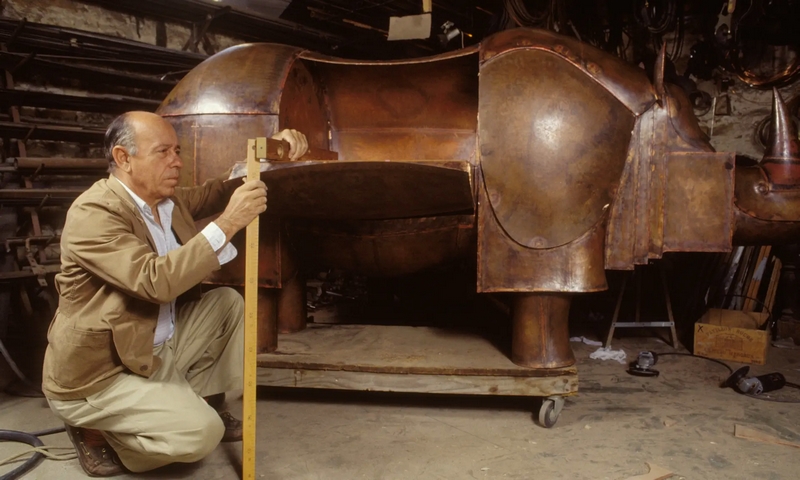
229	304
199	437
228	299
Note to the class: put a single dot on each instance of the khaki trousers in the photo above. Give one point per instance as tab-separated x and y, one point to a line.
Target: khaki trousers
152	422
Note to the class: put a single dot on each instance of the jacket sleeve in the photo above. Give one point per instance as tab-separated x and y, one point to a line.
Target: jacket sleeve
101	240
209	198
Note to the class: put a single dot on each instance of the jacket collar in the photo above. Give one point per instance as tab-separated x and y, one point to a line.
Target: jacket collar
119	190
183	233
116	186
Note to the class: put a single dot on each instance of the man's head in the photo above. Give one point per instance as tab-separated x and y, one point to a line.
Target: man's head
142	150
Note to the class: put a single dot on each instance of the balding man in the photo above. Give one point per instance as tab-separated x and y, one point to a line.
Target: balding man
139	359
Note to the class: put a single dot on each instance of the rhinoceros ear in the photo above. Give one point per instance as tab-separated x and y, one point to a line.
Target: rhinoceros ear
782	157
658	74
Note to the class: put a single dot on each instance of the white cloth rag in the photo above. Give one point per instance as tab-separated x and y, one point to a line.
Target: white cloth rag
605	353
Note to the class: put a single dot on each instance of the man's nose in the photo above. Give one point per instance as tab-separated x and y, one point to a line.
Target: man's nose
176	161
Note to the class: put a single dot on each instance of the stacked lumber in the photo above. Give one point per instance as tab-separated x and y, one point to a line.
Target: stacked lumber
750	280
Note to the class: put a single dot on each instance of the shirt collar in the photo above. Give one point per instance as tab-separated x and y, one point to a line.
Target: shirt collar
141	204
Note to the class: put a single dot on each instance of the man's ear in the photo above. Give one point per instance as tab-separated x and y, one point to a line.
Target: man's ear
121	158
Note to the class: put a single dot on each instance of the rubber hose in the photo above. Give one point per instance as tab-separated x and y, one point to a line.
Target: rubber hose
22	437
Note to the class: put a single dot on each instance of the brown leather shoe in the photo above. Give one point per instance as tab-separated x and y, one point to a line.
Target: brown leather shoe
215	401
233	427
96	456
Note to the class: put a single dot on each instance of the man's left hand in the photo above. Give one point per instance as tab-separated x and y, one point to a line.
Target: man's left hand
298	144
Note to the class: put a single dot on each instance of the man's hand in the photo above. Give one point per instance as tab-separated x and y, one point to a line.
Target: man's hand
247	202
298	145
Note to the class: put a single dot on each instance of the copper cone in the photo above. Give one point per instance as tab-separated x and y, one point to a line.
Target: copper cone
781	160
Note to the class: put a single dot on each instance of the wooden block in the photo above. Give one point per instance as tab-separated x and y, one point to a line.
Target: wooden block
774	281
394	382
748	433
748	286
656	473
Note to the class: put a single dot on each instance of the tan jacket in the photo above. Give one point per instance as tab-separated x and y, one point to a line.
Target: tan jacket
112	282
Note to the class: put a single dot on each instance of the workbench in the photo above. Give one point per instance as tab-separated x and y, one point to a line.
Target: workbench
409	359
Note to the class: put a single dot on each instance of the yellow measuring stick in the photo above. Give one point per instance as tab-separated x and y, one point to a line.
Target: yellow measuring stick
250	327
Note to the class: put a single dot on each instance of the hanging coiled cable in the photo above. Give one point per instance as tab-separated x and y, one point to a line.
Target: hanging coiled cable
657	16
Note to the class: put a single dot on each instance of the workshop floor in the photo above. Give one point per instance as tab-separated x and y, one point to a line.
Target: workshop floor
680	421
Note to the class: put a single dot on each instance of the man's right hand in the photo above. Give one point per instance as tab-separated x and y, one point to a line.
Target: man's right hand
247	202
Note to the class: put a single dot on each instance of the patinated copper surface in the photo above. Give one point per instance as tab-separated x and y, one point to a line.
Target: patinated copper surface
540	334
756	197
781	160
624	81
668	164
367	190
291	308
413	111
246	79
696	184
768	195
544	159
302	106
506	266
374	247
551	161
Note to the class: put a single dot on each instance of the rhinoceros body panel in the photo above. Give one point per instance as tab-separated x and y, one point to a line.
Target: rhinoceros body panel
552	145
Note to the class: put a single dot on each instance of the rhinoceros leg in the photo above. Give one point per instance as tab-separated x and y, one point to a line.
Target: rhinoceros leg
540	334
267	319
292	304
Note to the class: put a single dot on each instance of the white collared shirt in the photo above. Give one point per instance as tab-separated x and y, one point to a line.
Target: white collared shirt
165	241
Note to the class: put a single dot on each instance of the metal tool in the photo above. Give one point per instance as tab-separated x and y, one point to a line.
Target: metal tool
643	366
740	382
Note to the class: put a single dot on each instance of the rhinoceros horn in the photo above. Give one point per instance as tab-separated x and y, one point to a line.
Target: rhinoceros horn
781	160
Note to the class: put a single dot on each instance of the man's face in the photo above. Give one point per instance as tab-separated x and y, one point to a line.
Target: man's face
153	172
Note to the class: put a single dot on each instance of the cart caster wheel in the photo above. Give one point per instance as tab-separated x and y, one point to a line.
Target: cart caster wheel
550	410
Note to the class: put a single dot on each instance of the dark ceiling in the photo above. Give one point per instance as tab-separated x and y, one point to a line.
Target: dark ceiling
347	28
757	41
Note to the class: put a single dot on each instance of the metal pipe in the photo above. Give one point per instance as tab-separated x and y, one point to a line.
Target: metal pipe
59	163
18	275
37	194
46	239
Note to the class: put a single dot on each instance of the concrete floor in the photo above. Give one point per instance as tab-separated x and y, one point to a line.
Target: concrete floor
680	421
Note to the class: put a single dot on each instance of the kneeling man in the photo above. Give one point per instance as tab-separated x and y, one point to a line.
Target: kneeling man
139	359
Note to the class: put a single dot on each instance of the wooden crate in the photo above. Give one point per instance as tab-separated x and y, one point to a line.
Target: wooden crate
732	335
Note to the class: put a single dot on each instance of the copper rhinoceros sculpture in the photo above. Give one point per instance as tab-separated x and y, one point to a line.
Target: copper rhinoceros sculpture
545	159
